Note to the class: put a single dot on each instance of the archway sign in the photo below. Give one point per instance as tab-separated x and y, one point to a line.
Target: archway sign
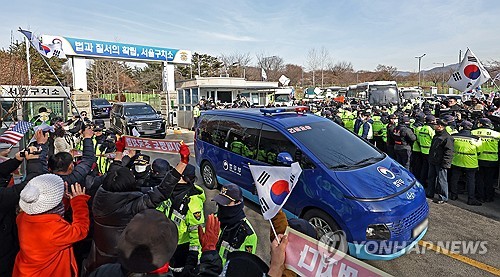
81	49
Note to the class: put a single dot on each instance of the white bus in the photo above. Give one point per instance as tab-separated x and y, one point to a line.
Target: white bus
376	93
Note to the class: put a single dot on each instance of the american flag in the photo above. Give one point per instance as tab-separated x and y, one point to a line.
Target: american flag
16	132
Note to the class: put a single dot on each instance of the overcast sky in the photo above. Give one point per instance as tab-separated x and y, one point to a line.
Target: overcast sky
366	33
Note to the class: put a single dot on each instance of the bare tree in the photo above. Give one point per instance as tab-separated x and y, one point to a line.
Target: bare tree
342	73
295	73
324	60
386	72
236	63
313	63
273	65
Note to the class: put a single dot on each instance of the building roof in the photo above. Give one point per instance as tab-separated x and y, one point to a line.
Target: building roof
225	82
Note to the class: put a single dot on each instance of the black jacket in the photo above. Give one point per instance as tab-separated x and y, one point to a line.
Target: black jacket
112	212
9	199
403	137
441	151
210	265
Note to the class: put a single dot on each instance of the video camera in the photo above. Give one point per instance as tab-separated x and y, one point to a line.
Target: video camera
31	152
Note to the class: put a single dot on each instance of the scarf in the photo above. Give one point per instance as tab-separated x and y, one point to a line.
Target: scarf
59	209
230	215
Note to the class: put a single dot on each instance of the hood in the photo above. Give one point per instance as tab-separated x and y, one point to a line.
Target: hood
380	180
144	117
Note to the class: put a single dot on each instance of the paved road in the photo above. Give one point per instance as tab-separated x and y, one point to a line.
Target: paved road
448	222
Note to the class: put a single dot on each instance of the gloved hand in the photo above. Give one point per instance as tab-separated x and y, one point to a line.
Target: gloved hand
184	151
209	238
120	144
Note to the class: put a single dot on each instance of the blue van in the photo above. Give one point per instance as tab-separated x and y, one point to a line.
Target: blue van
346	183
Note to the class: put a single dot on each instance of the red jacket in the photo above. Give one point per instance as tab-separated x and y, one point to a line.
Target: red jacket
46	241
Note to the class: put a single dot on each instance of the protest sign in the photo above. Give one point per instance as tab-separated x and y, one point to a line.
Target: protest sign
309	257
154	145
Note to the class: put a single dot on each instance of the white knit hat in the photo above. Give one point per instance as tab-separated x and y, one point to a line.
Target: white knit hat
41	194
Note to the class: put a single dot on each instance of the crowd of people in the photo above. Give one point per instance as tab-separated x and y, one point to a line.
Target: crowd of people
450	147
87	206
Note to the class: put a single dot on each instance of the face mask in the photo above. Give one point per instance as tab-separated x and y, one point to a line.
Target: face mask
140	168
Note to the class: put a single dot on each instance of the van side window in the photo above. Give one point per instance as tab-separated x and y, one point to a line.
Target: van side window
241	135
206	128
271	144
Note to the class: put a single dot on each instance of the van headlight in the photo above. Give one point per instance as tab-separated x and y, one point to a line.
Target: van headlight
378	232
418	184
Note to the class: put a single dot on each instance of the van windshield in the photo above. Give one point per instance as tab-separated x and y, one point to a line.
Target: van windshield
282	98
335	146
139	110
383	94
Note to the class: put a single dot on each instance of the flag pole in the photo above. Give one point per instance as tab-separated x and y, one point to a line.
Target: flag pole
57	78
274	231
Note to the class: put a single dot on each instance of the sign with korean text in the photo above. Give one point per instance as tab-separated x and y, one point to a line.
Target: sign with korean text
33	91
154	145
308	257
105	49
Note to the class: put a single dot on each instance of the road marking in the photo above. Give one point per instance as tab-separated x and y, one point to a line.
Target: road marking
469	261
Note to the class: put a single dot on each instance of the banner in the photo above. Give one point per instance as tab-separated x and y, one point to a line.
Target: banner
309	257
154	145
274	185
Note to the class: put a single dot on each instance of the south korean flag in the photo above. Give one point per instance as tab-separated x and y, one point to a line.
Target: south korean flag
469	75
274	185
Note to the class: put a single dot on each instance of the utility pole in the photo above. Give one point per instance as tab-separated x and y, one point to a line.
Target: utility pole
442	72
419	60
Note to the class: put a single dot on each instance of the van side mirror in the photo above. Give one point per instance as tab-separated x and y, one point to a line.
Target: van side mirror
158	112
284	158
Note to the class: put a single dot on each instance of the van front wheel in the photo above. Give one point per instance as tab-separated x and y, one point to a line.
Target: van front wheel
329	232
208	175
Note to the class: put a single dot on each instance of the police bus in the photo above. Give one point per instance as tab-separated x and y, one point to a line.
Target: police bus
376	93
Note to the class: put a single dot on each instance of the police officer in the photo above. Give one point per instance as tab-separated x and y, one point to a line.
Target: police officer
378	130
237	234
141	169
185	209
366	129
348	118
416	153
451	126
424	138
403	138
196	115
465	160
390	128
98	140
488	160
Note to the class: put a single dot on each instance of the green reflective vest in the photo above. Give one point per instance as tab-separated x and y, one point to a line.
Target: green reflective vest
370	130
249	244
378	126
348	118
466	152
450	130
416	146
489	146
239	147
187	217
196	112
424	138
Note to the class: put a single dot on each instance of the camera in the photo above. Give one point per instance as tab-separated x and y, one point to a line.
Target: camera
35	152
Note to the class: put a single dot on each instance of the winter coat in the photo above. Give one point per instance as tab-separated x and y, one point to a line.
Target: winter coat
9	198
112	212
46	241
441	151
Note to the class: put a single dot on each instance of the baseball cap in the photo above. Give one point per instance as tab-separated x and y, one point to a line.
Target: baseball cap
142	160
466	124
227	194
485	121
430	119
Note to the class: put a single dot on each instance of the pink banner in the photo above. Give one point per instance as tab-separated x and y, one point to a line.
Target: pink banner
308	257
154	145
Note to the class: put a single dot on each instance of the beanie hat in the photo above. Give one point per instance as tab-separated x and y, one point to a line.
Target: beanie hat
41	194
142	252
238	260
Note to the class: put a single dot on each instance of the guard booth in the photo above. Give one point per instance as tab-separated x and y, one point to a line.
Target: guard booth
51	97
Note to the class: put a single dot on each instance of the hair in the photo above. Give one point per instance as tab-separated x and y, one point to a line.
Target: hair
60	162
120	180
42	110
59	132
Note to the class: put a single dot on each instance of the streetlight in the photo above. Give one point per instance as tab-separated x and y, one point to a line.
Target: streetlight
419	59
442	71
